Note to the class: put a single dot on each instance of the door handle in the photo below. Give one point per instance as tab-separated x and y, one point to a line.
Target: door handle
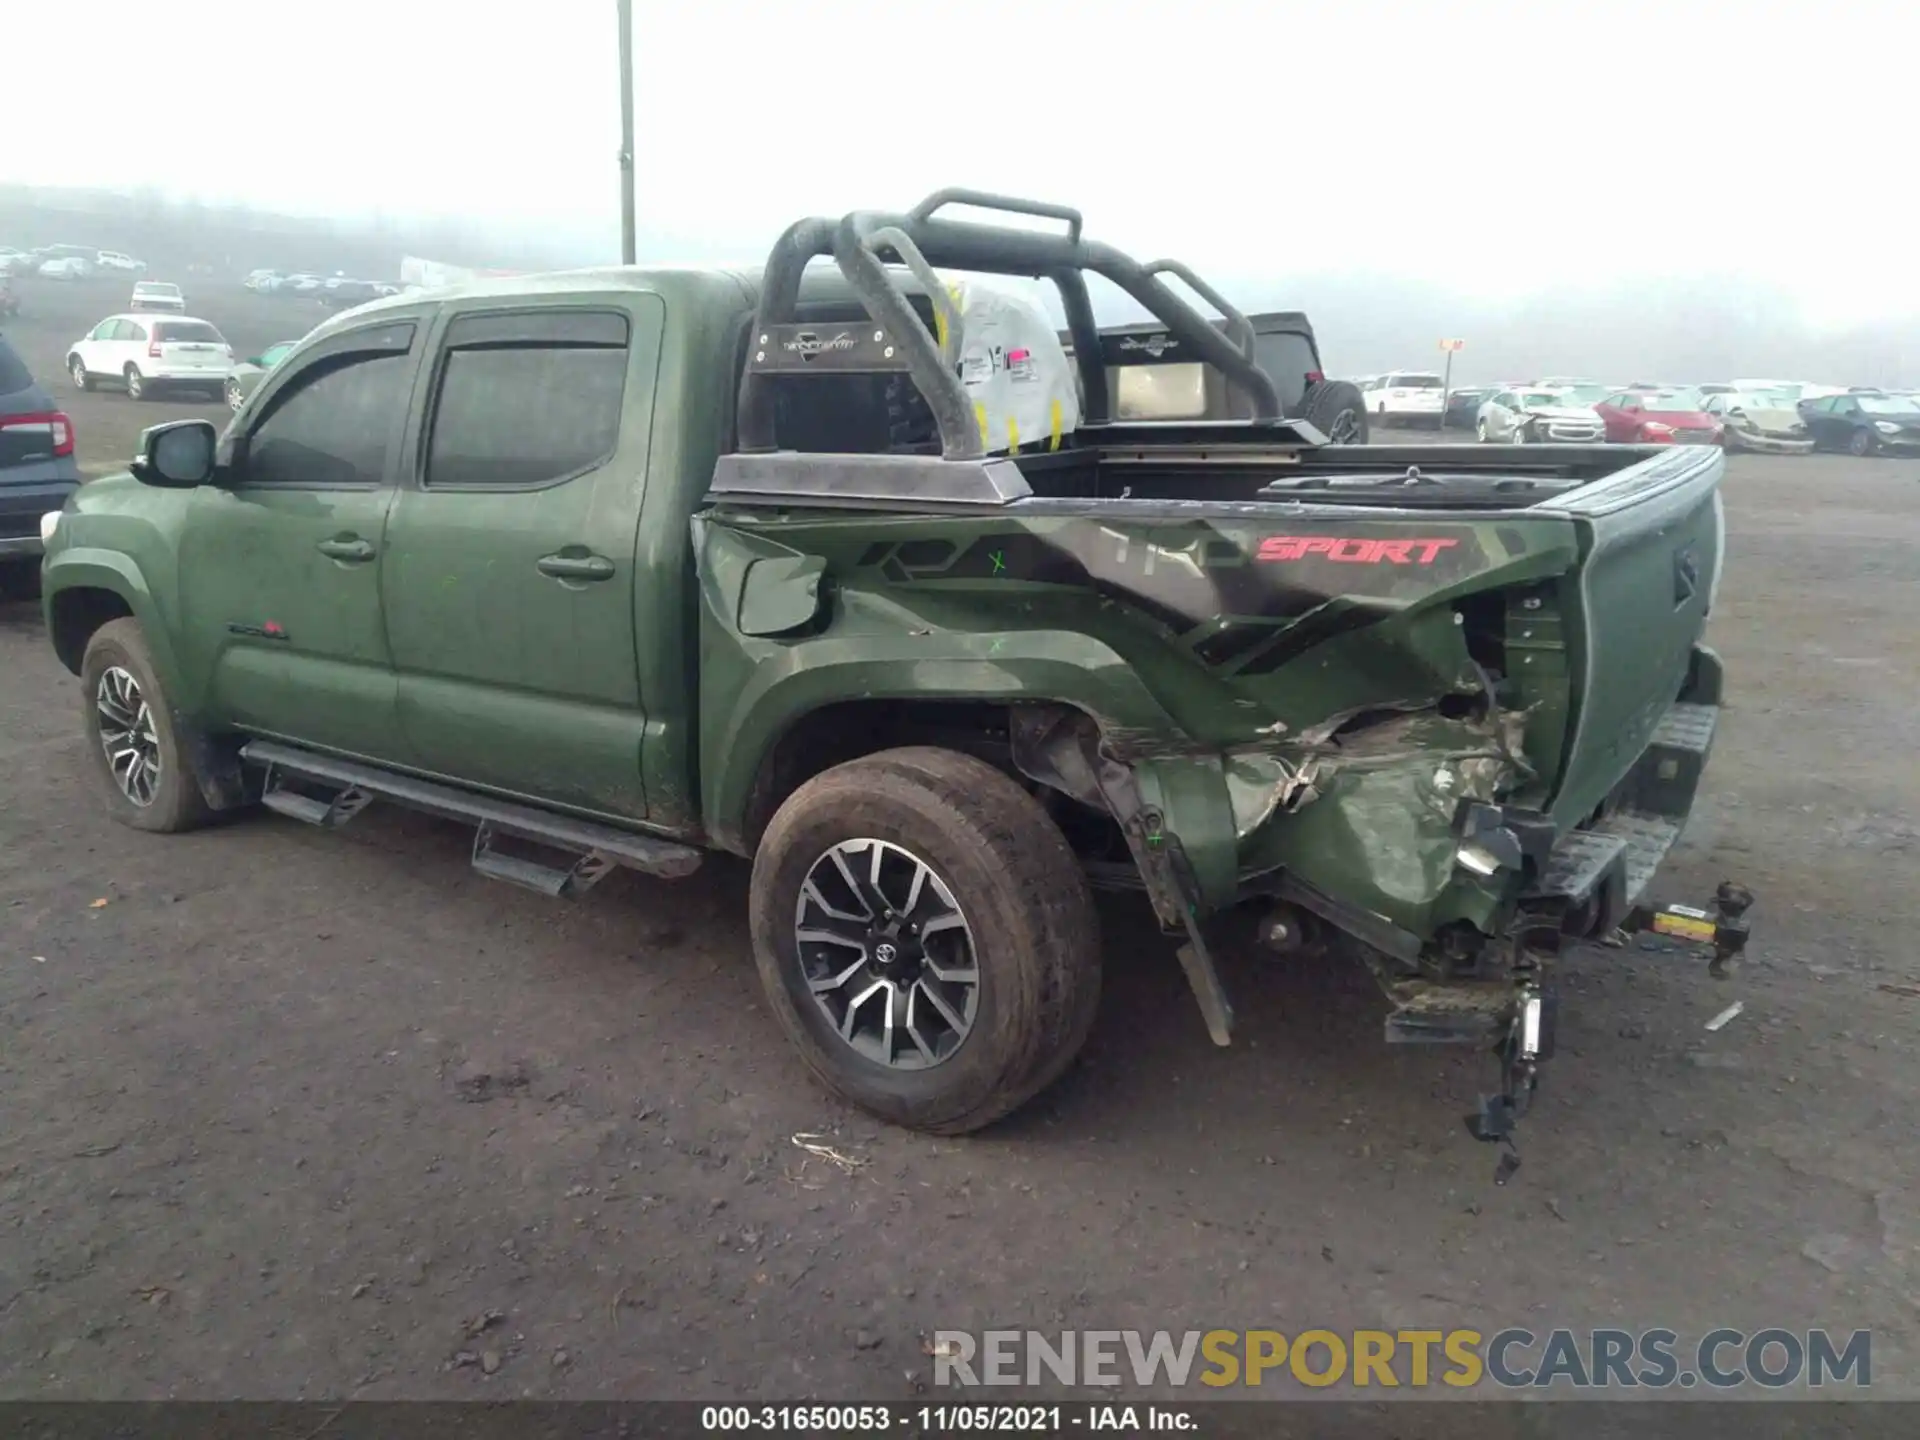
350	548
576	567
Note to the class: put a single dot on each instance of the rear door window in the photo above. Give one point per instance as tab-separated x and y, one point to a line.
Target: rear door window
527	399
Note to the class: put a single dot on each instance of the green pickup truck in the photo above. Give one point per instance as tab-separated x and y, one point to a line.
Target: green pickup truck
623	566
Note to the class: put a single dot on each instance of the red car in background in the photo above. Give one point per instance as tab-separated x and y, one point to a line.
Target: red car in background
1658	417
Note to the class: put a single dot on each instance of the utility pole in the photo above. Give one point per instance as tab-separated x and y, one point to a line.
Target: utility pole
628	240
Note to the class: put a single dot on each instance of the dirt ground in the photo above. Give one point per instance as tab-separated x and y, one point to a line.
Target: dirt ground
286	1113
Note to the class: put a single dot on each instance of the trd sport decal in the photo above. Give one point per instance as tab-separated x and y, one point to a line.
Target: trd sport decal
1350	550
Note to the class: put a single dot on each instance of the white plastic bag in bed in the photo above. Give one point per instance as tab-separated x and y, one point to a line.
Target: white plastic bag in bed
1014	368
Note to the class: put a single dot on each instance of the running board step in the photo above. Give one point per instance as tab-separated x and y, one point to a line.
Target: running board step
586	868
329	813
597	846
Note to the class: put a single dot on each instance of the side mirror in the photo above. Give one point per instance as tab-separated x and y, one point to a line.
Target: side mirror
177	455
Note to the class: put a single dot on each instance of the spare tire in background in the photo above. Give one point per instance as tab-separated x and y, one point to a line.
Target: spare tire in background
1335	408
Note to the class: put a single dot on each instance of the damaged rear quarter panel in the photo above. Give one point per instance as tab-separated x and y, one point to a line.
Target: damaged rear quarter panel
1220	676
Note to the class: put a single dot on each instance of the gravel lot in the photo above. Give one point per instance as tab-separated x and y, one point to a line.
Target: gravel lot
294	1114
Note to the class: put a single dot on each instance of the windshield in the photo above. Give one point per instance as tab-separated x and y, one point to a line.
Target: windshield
1888	405
1584	394
1672	400
1538	399
1413	382
274	354
1756	400
155	287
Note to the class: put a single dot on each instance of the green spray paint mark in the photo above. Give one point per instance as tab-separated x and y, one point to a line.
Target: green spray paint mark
999	558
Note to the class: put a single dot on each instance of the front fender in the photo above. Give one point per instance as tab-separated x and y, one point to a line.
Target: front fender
73	568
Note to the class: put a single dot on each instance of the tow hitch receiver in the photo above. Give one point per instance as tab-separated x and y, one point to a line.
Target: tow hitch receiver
1528	1041
1724	927
1528	1038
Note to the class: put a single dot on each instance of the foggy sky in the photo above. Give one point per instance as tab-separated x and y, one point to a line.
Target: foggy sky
1499	159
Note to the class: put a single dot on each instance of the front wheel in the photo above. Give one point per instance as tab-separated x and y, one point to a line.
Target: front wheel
234	397
136	383
138	760
77	368
1860	442
1480	431
925	937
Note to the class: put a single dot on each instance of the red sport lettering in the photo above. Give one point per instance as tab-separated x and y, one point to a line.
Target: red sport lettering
1352	550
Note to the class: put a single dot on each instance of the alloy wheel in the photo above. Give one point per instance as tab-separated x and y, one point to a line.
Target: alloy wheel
887	954
127	735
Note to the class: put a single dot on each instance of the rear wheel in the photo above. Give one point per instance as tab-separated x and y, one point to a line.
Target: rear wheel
1338	411
136	383
77	368
1480	431
141	767
1860	443
234	397
925	937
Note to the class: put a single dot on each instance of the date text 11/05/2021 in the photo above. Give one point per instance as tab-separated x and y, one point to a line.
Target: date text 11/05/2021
947	1419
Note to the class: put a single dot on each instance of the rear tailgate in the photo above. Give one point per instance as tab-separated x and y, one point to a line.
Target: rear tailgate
1651	541
187	346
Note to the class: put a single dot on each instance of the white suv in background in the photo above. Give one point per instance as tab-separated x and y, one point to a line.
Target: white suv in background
1405	397
118	260
148	353
157	295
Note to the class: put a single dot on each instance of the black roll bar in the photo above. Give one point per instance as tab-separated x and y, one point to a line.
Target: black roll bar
856	242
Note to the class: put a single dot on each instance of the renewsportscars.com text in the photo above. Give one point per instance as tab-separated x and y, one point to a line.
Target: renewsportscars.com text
1509	1359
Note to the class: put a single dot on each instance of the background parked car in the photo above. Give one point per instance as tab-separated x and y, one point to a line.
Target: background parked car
15	262
1405	397
1863	424
1524	417
1658	417
148	354
82	256
63	268
118	260
158	295
37	470
9	298
1766	424
263	282
1463	407
343	294
247	374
